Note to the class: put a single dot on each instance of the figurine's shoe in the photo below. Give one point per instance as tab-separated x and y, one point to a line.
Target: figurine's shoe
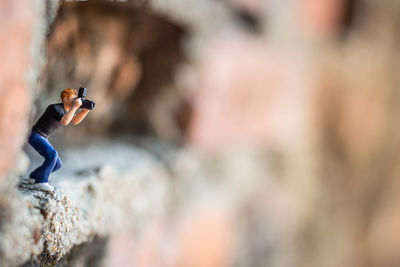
44	187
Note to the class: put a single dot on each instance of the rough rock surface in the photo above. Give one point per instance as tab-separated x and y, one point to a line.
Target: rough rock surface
93	203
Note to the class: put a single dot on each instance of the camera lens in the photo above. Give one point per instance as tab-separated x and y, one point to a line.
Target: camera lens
87	104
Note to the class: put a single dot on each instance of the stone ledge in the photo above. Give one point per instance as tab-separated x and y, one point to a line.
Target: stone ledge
87	204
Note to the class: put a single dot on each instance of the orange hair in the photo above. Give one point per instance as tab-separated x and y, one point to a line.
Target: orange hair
68	92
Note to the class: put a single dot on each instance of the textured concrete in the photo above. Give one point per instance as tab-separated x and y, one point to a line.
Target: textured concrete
125	192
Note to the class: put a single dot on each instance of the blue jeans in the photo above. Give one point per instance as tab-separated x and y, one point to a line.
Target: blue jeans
51	162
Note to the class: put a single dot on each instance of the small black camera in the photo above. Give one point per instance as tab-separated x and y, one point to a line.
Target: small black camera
86	104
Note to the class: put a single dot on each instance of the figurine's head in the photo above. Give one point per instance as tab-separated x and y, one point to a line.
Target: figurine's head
68	95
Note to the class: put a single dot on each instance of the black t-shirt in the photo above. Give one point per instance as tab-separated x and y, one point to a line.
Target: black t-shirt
50	120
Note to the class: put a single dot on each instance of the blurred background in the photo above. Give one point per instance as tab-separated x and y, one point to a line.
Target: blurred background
283	113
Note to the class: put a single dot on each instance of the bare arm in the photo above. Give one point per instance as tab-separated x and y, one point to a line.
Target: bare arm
79	117
67	118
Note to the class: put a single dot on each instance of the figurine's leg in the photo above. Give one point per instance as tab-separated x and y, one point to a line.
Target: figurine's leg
44	148
35	143
34	173
42	173
58	165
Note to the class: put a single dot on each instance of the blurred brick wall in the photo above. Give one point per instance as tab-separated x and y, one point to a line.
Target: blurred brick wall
312	84
19	22
125	54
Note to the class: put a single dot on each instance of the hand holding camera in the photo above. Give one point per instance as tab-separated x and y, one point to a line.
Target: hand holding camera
77	102
85	103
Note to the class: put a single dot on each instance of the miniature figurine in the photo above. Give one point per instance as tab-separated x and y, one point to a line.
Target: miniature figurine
54	116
